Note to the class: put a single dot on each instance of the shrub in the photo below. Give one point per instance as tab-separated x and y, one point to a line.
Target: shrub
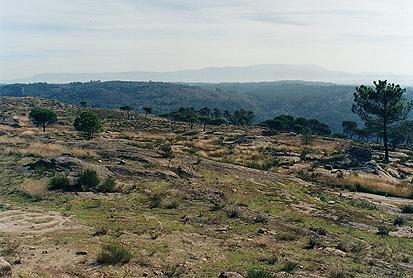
399	221
171	205
101	231
342	246
107	186
166	151
60	182
336	273
312	242
9	247
383	231
154	201
261	218
88	180
272	260
253	273
407	208
233	213
112	254
289	266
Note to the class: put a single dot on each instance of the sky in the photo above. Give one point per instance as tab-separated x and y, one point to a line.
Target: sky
38	36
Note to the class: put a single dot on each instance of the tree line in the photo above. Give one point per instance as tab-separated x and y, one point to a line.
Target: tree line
383	108
206	116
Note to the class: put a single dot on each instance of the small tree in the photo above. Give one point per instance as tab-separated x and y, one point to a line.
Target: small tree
349	128
127	108
148	110
83	103
307	136
382	107
88	123
43	117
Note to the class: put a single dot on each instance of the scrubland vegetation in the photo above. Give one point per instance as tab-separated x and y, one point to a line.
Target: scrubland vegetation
116	193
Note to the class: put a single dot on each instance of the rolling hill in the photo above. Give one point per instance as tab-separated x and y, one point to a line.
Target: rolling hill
327	102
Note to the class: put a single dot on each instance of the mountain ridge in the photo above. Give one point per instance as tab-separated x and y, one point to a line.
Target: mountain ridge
243	74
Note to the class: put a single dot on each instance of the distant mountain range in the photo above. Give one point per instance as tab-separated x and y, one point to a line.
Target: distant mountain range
256	73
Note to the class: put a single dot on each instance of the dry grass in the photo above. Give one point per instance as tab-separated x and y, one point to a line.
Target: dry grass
375	185
36	189
11	140
51	150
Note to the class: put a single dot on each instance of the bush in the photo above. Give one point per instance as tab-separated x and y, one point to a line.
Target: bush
171	205
383	231
407	208
312	243
60	182
108	185
88	180
233	213
112	254
289	266
253	273
154	201
399	221
166	151
261	218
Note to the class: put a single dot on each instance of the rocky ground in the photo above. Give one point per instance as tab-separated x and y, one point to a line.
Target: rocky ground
229	200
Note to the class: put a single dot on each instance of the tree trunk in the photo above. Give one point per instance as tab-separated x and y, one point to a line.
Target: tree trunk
386	146
44	127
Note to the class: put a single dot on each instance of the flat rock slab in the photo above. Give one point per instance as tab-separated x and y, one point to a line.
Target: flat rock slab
30	222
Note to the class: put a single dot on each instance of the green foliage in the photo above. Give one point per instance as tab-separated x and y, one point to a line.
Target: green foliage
381	107
312	243
88	123
289	266
43	117
147	110
215	117
254	273
349	128
60	182
127	108
88	180
113	254
107	186
306	137
399	221
287	123
233	212
383	231
407	208
155	201
166	150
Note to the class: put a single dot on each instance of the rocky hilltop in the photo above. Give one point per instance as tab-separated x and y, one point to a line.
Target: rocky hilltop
179	202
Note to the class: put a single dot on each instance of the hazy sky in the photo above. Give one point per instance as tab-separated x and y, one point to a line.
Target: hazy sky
39	36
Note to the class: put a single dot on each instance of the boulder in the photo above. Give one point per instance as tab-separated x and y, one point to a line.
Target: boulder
328	167
230	274
5	267
68	164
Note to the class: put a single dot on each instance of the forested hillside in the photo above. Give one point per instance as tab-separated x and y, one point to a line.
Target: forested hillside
327	102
